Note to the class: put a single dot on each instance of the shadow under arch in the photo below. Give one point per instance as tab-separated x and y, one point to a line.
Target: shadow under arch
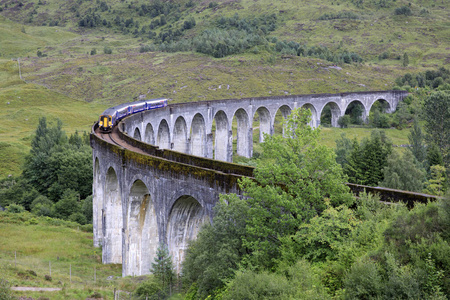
222	137
180	142
163	140
112	220
357	112
198	136
185	219
243	134
149	135
137	134
142	238
335	112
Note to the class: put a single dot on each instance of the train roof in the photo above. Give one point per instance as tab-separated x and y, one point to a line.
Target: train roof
113	109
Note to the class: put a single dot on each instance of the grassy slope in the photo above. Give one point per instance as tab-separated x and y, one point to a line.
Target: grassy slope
37	243
21	106
55	84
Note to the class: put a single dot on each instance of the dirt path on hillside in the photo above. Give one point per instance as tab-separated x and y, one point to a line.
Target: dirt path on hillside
34	289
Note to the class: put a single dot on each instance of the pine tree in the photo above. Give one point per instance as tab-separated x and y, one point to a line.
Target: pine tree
416	139
405	60
162	268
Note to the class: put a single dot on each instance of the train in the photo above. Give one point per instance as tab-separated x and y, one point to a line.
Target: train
113	115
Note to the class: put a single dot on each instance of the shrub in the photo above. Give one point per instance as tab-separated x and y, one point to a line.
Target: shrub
48	277
15	208
363	281
404	10
150	288
252	285
107	50
343	121
5	291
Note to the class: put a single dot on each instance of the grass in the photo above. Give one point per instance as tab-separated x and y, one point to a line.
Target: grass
40	243
75	86
21	106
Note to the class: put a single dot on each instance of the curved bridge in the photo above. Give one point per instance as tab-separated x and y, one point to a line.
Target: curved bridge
155	181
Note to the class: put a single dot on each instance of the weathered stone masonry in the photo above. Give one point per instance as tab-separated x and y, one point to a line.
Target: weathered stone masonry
142	201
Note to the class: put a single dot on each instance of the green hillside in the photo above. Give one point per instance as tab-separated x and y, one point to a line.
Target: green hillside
79	57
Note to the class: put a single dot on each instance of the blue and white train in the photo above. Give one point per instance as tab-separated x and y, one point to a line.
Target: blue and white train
113	115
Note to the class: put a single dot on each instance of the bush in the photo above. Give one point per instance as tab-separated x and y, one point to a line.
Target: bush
5	290
150	288
404	10
252	285
107	50
363	281
15	208
343	121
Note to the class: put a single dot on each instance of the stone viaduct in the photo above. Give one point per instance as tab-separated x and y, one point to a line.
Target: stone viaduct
159	185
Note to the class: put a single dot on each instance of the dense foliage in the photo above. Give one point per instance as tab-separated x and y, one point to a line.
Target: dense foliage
297	222
57	176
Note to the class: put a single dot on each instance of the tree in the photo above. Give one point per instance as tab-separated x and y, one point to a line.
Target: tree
403	173
215	255
67	205
367	160
416	140
436	184
162	268
436	113
56	163
343	150
343	121
294	176
405	59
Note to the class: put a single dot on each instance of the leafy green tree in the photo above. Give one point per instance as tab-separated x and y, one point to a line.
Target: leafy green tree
436	113
363	281
434	156
215	255
416	140
322	237
67	205
343	121
294	176
44	143
162	267
343	149
436	184
403	173
56	163
367	159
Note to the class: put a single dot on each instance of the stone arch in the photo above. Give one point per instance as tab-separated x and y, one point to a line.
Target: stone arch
112	220
143	237
352	104
137	134
335	112
198	136
385	106
265	125
97	200
282	113
180	141
163	140
149	135
314	122
185	220
222	138
243	134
